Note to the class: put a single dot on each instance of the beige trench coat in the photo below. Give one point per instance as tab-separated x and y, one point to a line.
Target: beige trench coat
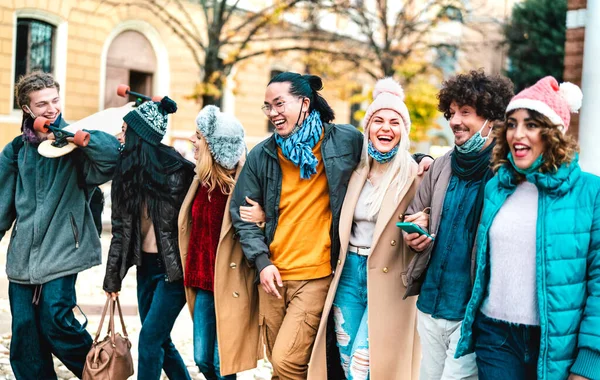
236	296
394	347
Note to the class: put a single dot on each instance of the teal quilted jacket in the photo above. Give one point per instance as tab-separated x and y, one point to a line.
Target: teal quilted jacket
568	268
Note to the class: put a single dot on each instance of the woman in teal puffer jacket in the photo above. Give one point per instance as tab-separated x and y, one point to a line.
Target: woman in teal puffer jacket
535	306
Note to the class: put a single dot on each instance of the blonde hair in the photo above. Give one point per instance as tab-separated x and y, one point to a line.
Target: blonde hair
398	170
211	174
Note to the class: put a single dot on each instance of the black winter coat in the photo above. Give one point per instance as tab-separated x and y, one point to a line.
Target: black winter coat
126	244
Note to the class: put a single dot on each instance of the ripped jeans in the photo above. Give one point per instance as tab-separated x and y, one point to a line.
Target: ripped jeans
350	312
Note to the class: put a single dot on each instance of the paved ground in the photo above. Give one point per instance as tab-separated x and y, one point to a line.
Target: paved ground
91	299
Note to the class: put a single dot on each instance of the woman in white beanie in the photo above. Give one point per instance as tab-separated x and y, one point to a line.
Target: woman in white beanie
219	284
375	327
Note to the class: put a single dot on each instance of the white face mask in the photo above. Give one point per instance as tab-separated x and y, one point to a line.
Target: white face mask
475	142
28	110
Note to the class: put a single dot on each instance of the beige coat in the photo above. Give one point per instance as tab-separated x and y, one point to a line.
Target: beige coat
394	346
236	296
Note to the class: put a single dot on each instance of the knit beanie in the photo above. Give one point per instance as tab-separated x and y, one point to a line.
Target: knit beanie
551	100
149	120
224	135
388	94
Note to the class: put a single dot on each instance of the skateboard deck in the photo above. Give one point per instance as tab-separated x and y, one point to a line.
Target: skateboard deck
109	120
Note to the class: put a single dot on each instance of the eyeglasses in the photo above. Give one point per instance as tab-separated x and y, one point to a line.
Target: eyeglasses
279	107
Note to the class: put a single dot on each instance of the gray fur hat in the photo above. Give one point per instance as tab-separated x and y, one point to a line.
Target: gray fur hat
224	135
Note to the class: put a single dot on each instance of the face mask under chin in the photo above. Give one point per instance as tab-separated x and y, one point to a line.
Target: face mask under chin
474	143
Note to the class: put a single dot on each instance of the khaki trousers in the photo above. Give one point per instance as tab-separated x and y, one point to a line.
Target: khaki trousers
289	325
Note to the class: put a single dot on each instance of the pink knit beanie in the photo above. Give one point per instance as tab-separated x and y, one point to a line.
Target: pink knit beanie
388	94
551	100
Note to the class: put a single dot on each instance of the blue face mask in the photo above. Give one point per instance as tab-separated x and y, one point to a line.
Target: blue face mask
382	158
475	143
532	169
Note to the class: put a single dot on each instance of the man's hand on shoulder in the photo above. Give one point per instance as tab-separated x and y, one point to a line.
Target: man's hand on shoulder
424	165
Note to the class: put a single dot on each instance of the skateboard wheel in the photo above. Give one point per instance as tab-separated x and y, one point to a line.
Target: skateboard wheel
123	90
40	124
157	98
81	138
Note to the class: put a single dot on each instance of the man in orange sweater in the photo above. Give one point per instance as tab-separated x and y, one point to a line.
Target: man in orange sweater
299	177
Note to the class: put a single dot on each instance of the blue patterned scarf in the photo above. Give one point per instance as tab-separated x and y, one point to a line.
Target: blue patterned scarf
298	146
382	158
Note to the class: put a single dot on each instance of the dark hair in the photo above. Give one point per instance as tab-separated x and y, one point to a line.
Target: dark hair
559	148
488	94
140	175
34	81
307	86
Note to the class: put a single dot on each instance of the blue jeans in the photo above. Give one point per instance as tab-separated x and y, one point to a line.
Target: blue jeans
159	303
206	350
505	350
38	331
350	312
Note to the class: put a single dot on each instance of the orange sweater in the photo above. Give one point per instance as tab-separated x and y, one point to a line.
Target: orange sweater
301	247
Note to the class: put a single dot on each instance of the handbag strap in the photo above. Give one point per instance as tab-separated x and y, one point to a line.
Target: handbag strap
121	317
111	323
102	320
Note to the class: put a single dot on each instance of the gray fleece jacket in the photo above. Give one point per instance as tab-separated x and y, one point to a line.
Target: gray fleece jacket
54	234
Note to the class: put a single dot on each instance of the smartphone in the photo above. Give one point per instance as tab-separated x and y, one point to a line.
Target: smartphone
411	228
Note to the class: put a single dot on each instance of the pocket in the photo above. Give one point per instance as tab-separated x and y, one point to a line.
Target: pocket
75	230
266	333
301	347
12	237
489	333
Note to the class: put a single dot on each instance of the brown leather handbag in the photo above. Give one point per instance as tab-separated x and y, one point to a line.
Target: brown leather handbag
111	358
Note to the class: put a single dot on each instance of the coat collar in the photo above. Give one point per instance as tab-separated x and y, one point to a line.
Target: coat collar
556	183
355	185
227	224
389	205
388	209
185	216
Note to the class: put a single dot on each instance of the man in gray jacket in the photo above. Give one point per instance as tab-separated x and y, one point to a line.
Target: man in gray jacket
54	236
452	193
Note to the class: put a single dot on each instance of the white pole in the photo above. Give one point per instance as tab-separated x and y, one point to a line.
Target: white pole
589	128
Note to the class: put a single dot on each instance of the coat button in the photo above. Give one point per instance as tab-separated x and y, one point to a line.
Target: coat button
401	216
236	295
233	265
393	243
385	269
339	261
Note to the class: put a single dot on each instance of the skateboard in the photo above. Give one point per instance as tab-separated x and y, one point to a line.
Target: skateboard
109	120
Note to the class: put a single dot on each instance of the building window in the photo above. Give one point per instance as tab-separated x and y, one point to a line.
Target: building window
451	13
34	48
270	126
446	58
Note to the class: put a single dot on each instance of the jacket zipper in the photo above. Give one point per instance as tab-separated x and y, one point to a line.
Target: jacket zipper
541	266
75	231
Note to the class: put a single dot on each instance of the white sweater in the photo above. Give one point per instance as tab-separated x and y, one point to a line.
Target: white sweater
512	295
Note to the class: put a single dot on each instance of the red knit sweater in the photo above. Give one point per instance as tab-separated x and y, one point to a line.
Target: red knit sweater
207	218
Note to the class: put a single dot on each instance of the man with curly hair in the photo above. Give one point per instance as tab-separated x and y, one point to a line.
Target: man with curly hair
448	204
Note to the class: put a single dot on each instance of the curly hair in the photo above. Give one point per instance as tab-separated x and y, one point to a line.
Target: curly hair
34	81
488	94
558	147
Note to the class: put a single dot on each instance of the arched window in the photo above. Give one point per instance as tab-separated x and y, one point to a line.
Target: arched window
34	48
